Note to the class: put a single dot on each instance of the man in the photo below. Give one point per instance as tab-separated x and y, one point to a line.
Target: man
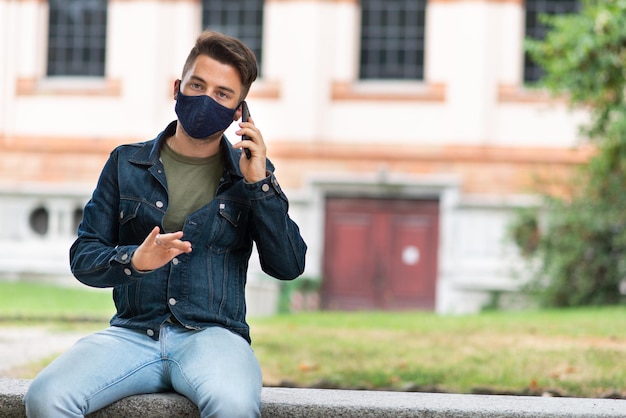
170	228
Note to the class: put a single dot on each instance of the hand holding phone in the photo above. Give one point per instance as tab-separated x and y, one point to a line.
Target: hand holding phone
245	114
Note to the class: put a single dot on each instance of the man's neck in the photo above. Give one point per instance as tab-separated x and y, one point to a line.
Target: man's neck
183	144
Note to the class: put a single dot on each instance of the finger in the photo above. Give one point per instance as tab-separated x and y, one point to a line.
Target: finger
179	245
250	133
172	241
157	239
153	236
246	145
171	236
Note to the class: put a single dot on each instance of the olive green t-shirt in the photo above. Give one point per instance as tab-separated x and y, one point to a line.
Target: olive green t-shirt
191	183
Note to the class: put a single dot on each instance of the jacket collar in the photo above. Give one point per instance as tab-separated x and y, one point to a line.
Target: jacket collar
150	152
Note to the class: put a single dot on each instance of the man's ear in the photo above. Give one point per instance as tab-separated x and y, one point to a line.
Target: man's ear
238	113
176	88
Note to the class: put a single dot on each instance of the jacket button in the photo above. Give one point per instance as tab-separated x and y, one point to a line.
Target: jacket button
175	261
265	187
159	204
124	257
172	301
127	272
150	333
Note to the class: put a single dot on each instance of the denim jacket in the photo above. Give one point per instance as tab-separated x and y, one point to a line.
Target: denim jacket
200	289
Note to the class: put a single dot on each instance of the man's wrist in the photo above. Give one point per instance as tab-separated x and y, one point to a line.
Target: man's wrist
267	174
138	270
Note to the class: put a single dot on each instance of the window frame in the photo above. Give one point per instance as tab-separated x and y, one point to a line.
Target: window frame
242	19
380	39
534	29
77	38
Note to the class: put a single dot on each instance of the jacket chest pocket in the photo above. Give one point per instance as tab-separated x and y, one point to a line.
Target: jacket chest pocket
230	226
136	220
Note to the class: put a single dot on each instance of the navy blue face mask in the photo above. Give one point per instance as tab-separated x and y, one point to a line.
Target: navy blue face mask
201	116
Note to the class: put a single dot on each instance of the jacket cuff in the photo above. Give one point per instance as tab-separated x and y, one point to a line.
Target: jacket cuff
124	256
265	186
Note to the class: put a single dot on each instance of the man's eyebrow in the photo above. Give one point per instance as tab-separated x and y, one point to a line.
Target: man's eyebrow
226	88
196	78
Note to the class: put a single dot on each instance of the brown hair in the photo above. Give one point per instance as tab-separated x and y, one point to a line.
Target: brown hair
227	50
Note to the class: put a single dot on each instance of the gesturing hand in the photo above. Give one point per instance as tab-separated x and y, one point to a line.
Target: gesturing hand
159	249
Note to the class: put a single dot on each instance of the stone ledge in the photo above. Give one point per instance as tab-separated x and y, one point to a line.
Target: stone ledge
310	403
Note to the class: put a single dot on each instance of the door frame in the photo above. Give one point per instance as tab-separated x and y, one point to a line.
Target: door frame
383	184
372	278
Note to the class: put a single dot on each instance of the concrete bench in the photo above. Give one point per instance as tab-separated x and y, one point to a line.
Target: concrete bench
307	403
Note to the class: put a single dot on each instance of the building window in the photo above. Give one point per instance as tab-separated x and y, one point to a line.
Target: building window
39	219
537	30
392	39
242	19
77	37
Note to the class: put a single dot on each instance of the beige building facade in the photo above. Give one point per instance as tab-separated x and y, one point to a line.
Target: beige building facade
390	180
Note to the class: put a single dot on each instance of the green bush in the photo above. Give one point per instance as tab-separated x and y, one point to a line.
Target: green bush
576	245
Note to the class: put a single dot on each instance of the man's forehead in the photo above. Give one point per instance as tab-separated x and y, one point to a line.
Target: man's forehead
207	70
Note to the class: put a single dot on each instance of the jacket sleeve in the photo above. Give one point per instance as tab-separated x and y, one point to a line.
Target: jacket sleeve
96	259
279	244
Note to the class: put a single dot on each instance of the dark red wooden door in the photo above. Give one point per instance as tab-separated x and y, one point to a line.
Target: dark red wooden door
380	254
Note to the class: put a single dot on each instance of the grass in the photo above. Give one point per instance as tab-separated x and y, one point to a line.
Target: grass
46	302
566	352
576	352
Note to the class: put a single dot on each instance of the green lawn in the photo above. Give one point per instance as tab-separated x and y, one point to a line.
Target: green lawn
46	302
578	352
575	352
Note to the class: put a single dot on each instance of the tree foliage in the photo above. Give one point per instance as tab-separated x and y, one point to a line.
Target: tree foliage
580	248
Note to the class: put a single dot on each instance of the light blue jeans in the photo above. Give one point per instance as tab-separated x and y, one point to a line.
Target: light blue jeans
215	368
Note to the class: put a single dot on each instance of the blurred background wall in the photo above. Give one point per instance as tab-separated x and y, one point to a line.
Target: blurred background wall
405	132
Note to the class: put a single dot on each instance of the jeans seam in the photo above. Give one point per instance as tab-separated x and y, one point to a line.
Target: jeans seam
119	379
